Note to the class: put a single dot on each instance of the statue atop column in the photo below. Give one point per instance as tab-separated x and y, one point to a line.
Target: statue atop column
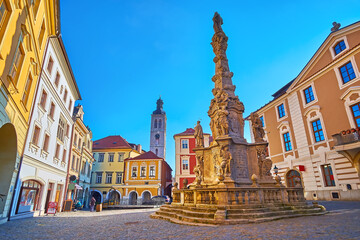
199	135
217	22
257	128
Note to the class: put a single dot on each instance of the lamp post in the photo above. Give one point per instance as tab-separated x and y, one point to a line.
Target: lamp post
276	170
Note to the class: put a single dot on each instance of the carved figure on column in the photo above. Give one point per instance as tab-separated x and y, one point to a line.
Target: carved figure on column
225	162
258	131
217	22
199	169
222	122
199	135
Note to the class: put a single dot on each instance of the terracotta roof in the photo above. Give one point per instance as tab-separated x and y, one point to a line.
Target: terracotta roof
188	132
146	155
111	142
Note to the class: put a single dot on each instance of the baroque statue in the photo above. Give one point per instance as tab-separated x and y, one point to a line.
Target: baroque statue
217	22
199	135
258	131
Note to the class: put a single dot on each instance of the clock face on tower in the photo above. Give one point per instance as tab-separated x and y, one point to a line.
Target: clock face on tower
157	136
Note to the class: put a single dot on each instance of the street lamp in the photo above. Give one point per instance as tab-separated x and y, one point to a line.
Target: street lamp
276	170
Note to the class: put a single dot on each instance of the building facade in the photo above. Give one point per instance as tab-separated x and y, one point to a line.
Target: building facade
43	172
158	130
305	122
24	29
108	169
146	175
81	159
185	160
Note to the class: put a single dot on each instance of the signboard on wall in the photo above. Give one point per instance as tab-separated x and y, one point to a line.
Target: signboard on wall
68	205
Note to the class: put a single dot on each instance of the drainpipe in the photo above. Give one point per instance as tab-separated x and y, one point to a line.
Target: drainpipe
27	132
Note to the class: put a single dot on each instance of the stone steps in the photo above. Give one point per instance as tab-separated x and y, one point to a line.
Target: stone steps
201	216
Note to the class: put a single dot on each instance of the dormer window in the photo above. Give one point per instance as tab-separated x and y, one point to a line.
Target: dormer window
339	47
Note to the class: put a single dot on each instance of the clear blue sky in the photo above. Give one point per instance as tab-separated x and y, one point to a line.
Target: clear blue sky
125	54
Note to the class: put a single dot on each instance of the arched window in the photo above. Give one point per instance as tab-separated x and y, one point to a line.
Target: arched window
155	123
29	196
159	123
293	178
156	151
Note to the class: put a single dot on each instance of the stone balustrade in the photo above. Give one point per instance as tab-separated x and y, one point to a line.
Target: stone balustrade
238	196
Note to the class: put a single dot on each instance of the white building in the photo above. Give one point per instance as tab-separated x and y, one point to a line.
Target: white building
45	161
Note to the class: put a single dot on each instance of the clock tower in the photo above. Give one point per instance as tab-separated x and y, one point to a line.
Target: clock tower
158	130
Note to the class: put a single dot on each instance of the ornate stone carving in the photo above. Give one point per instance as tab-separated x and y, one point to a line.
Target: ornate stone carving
257	129
199	135
217	22
225	162
199	169
263	163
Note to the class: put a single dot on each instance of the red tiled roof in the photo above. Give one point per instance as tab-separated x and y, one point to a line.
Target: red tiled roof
146	155
111	142
188	132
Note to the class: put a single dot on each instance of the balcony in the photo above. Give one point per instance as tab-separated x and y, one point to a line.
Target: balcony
347	143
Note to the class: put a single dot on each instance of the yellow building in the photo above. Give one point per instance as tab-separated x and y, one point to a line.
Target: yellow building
24	29
146	175
108	168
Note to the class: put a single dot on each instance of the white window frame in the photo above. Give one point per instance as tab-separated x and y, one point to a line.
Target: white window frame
107	176
98	175
313	114
111	156
349	101
277	111
302	93
152	166
339	77
186	141
141	171
332	51
136	171
185	171
284	127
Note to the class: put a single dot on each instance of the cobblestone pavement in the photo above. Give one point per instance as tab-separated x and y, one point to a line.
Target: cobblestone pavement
341	223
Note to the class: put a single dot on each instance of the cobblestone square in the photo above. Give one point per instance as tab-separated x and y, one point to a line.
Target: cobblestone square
342	222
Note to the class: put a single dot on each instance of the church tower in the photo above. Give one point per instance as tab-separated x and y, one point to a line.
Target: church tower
158	130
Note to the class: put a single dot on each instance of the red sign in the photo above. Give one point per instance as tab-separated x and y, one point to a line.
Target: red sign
52	208
301	168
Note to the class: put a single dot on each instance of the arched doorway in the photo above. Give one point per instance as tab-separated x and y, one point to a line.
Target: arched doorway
97	196
114	197
293	178
29	196
133	198
8	153
146	198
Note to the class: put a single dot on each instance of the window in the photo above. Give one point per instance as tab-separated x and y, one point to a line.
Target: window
70	104
318	132
57	151
79	143
61	129
77	164
42	34
155	123
156	151
262	121
328	175
119	177
185	164
98	177
65	95
309	95
64	155
347	72
287	142
57	79
143	171
35	139
159	123
281	111
52	110
109	177
339	47
355	109
101	157
25	97
17	61
75	139
73	163
111	157
50	65
46	143
152	171
134	172
43	99
121	157
184	144
67	130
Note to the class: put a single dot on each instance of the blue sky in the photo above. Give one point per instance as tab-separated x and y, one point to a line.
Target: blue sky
125	54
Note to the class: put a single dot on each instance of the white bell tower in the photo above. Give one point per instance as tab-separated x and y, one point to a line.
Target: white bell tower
158	130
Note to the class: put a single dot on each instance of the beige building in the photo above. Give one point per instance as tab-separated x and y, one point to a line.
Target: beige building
81	159
302	119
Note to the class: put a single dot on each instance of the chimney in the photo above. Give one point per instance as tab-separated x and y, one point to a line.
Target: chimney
139	148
